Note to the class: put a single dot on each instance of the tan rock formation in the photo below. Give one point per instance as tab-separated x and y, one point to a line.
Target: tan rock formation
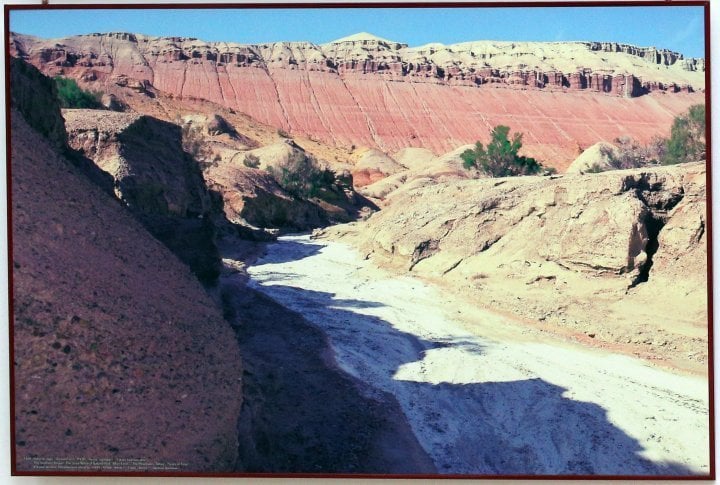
425	169
374	165
594	158
414	158
620	255
558	94
272	155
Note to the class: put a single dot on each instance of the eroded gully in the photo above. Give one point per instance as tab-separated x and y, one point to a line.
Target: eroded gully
477	392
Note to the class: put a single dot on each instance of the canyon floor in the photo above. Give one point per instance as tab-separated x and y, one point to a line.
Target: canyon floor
482	393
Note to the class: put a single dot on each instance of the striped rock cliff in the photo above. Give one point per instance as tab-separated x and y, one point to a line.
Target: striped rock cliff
366	91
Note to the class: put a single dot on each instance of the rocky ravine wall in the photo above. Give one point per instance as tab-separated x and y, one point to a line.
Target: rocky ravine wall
160	183
370	92
119	354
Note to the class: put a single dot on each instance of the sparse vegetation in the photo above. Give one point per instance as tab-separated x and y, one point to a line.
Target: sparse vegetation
251	161
70	95
500	158
595	168
191	140
193	143
686	144
302	176
628	154
687	137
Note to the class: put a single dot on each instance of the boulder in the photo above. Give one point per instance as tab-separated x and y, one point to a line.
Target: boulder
374	165
594	159
110	101
217	125
252	198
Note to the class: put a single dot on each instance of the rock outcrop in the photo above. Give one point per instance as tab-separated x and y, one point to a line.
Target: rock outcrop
621	255
440	97
120	357
159	182
372	166
252	198
596	158
408	169
34	95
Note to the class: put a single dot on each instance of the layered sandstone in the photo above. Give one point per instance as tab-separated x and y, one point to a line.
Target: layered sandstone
561	95
617	258
378	175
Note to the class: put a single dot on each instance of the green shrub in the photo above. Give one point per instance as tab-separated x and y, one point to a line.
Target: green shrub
595	168
302	176
687	137
71	96
500	158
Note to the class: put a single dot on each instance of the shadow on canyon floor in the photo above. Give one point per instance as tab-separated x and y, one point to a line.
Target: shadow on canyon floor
313	417
303	415
293	251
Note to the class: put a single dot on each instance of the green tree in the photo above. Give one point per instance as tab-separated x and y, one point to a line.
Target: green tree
500	158
71	96
687	137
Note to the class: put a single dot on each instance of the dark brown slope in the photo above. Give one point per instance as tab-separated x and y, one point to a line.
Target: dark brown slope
118	351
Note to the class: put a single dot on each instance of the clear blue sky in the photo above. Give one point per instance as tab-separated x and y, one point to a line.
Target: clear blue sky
671	27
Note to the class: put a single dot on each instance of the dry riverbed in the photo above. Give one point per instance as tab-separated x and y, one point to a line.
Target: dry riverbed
482	394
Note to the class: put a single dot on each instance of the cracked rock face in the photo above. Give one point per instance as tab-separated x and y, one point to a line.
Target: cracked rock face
252	197
437	97
596	222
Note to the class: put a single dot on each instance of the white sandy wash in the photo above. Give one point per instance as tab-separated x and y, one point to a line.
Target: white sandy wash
481	395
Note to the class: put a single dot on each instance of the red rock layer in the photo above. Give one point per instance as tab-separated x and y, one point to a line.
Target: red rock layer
389	104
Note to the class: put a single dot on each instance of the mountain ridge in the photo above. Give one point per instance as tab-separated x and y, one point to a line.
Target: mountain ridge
474	62
370	93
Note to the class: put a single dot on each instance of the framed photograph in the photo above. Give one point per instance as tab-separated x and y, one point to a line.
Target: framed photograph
466	240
